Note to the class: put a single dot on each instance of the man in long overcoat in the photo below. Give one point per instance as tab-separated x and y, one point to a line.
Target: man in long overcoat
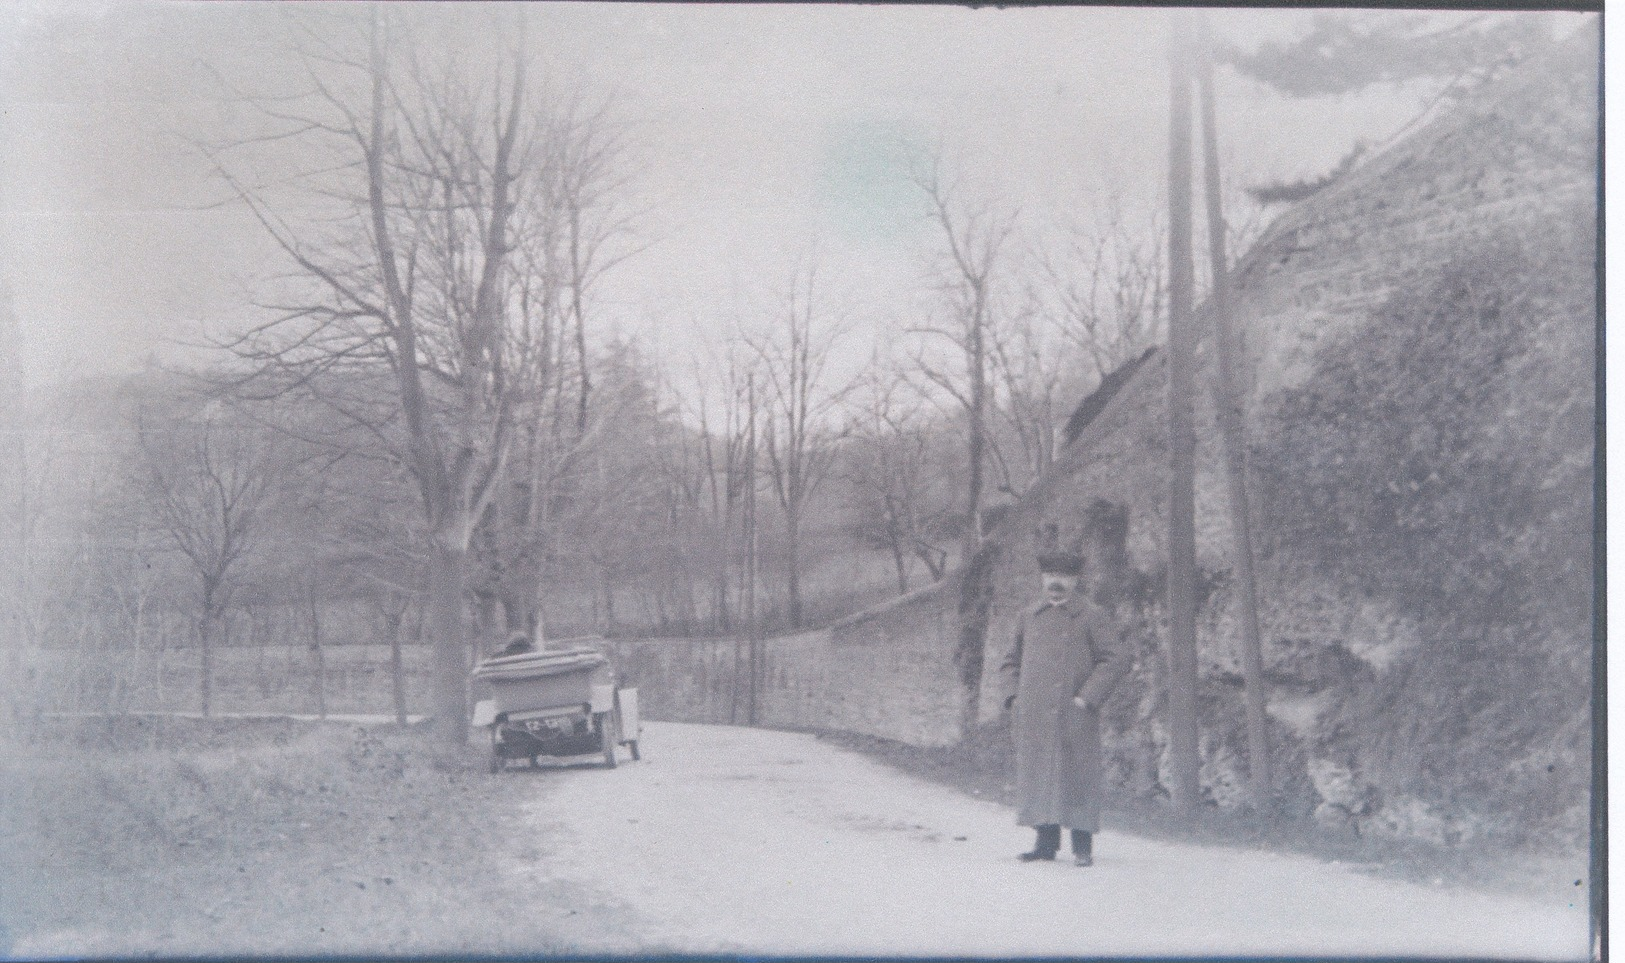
1068	655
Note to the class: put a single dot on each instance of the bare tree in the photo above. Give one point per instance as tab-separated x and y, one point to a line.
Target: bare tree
687	552
975	240
364	525
725	444
211	484
590	176
29	474
313	610
573	229
753	625
800	434
410	315
127	585
590	512
624	514
1107	287
1031	374
889	461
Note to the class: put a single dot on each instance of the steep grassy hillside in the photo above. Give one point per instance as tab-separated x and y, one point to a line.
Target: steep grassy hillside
1420	394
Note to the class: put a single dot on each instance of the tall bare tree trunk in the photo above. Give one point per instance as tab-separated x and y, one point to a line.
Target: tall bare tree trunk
608	584
1184	759
751	626
319	686
975	242
719	597
894	536
488	632
397	668
576	283
978	425
1232	431
445	620
208	632
792	533
721	525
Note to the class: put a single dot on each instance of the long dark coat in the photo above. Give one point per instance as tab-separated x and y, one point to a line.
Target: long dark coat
1062	651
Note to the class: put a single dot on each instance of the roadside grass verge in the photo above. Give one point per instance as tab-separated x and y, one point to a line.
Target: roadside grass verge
181	837
983	766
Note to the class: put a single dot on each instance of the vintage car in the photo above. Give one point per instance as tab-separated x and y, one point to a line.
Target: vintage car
557	702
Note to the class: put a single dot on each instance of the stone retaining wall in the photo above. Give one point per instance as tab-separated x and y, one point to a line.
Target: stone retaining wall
888	672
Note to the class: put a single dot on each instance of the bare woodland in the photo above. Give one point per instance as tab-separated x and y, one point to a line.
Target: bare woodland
428	396
433	438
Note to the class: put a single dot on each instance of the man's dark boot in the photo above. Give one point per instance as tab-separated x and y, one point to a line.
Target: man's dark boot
1049	843
1083	848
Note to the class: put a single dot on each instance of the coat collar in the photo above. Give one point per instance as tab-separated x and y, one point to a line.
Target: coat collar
1072	607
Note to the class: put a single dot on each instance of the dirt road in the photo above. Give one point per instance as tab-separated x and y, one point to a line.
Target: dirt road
737	840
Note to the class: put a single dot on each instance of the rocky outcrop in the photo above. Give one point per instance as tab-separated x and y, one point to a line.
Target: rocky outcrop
1419	383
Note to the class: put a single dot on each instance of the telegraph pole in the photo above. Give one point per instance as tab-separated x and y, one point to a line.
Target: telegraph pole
1184	758
1233	435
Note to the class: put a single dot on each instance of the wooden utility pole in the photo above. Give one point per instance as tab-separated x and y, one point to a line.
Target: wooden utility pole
1184	758
1232	430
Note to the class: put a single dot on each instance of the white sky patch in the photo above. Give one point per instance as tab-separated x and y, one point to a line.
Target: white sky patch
762	133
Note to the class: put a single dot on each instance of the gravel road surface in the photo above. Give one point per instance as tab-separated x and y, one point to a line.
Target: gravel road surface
732	840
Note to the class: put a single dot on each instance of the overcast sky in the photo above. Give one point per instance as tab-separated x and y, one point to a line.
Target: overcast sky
763	131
